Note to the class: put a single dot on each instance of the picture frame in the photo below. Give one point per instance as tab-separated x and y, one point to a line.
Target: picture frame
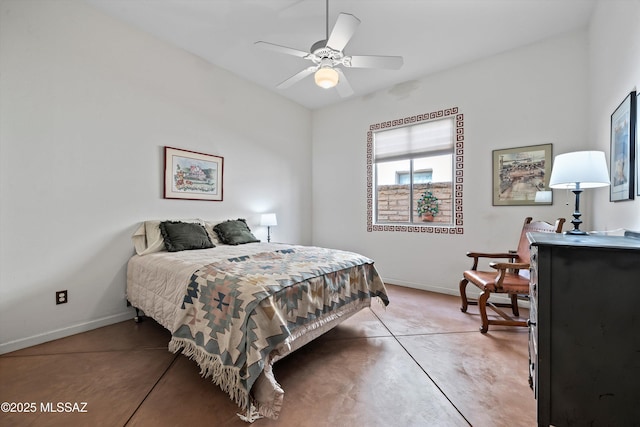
519	173
191	175
622	165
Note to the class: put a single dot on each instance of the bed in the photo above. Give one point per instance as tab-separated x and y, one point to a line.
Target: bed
236	305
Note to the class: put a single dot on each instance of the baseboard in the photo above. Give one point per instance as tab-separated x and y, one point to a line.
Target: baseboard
421	286
472	291
121	317
64	332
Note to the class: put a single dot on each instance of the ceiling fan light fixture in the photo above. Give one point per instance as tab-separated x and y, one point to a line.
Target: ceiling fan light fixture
326	77
328	54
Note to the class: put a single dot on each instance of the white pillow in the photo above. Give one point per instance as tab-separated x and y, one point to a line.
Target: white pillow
147	239
208	225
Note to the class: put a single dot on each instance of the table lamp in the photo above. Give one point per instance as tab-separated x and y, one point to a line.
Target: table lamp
268	220
576	171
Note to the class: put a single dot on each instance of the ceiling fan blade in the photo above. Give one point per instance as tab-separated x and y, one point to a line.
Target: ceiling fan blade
281	49
371	61
297	77
343	87
345	27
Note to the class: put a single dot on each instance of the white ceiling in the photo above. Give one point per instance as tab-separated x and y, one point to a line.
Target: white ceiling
431	35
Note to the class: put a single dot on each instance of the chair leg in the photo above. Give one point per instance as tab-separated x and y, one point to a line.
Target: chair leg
514	305
482	305
463	295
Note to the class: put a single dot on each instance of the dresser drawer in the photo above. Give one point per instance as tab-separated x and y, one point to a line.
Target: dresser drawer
533	319
533	276
533	348
533	360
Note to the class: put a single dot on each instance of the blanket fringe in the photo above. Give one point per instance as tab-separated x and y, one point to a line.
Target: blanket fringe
380	303
228	378
225	377
251	415
317	324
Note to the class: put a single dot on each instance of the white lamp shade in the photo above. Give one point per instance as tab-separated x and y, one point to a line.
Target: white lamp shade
326	77
586	168
268	219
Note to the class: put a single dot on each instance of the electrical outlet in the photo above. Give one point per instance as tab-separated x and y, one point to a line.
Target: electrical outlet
61	297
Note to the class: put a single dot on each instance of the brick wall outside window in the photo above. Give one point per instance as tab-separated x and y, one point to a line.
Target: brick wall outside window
393	203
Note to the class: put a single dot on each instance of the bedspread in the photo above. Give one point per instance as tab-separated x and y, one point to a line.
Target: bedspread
237	311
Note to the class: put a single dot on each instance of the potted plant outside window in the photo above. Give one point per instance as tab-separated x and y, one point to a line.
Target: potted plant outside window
428	205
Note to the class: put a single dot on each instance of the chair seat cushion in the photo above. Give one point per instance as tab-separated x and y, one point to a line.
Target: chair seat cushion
486	280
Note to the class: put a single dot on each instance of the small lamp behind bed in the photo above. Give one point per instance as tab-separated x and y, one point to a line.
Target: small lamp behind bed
269	220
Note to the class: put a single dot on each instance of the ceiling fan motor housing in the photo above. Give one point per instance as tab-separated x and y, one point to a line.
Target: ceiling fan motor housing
321	52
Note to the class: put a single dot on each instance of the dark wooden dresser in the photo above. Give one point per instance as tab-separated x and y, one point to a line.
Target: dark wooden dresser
584	333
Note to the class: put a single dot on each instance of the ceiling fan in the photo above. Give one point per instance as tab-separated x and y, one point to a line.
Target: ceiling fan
327	56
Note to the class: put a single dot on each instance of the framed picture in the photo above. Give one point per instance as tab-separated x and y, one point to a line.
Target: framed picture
193	176
623	151
519	173
638	143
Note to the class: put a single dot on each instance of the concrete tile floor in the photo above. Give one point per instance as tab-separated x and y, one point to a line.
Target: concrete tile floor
420	362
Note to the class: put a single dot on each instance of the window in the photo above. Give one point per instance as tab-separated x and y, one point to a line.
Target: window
414	170
419	177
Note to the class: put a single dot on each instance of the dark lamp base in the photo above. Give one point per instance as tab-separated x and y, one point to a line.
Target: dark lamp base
576	232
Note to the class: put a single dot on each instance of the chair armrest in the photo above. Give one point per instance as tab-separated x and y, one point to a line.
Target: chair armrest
512	265
477	255
502	268
490	255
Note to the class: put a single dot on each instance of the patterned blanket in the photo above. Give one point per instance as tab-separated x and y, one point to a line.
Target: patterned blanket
238	310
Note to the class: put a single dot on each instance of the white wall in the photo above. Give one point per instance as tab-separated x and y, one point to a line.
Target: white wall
87	105
614	64
534	95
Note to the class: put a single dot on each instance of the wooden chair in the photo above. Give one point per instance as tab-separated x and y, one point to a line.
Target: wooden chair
505	278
